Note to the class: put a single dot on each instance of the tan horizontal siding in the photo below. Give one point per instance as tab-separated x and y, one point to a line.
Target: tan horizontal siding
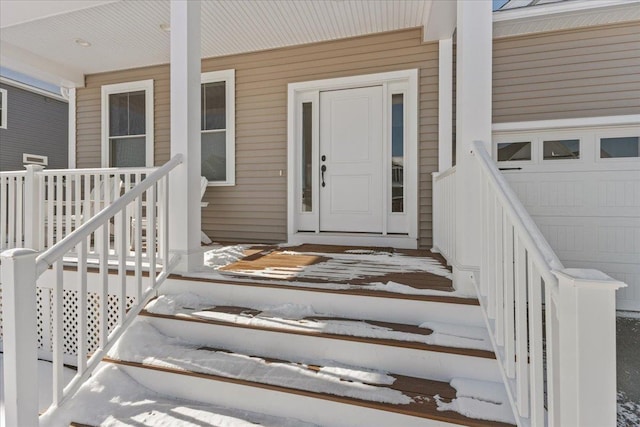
254	210
585	72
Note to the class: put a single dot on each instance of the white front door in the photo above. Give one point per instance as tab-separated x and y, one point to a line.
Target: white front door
351	156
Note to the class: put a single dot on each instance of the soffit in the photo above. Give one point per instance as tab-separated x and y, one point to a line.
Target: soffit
127	34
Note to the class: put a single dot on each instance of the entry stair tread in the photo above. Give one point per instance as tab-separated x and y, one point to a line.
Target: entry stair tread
129	403
290	319
436	294
145	347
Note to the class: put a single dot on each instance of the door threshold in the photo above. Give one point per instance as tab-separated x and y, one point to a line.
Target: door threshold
354	239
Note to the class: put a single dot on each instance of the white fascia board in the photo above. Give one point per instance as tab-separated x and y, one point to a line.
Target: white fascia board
33	89
23	61
555	8
15	12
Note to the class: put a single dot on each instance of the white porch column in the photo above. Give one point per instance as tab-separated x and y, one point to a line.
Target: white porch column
473	123
184	186
445	104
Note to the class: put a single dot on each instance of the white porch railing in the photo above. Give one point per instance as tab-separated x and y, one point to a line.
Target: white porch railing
444	213
146	206
553	329
39	207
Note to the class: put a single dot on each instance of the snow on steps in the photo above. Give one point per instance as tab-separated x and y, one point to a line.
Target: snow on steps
360	303
112	398
436	351
322	392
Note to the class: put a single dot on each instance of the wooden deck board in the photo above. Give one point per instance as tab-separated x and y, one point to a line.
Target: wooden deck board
291	265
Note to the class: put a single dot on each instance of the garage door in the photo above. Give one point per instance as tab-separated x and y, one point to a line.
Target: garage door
582	188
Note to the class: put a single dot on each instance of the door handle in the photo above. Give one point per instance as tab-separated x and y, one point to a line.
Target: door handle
323	169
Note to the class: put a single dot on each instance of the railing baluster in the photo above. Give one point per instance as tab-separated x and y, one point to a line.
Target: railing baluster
51	225
522	334
11	231
59	208
535	345
165	225
42	211
138	244
127	235
104	286
67	204
82	306
491	253
122	268
58	333
499	269
151	232
19	212
77	202
509	304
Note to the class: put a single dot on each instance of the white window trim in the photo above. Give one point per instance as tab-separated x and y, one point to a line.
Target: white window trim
229	77
3	96
147	86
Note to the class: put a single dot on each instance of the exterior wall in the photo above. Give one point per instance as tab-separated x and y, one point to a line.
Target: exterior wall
36	124
587	72
255	209
564	74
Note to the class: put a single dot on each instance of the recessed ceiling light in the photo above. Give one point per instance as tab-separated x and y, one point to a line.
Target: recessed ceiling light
165	27
82	42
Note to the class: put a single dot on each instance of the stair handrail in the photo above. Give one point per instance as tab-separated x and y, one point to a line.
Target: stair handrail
20	268
552	329
534	239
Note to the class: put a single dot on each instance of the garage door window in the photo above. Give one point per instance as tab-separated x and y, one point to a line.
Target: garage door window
628	146
561	149
514	151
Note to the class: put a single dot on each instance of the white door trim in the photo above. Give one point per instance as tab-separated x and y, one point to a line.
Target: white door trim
298	90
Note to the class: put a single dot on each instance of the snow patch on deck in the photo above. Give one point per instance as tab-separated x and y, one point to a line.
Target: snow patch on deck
479	399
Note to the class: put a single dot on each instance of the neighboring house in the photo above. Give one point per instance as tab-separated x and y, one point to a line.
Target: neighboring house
339	123
34	127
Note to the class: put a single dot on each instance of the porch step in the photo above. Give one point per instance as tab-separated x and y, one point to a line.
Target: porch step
316	391
130	403
429	336
362	302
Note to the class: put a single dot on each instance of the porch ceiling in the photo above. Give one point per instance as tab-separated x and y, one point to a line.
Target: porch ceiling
127	34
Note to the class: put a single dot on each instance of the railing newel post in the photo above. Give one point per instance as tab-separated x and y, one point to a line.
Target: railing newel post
586	348
18	275
32	201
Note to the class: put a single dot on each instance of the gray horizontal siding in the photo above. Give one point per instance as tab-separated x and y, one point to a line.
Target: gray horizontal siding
36	124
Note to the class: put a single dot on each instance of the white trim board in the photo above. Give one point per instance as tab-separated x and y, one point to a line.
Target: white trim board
303	91
626	120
